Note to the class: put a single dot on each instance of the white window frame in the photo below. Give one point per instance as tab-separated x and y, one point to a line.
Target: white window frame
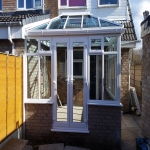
35	100
108	5
68	7
34	7
102	45
118	83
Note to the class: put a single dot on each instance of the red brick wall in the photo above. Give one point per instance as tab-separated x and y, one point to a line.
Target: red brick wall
9	5
124	79
104	125
146	86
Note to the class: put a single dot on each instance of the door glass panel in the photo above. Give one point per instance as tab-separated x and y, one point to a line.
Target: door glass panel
110	77
95	44
95	77
32	76
61	82
78	86
45	77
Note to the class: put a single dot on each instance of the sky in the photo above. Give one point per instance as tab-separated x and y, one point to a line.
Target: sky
137	9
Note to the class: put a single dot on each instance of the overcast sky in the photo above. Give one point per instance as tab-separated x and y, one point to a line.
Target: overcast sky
137	9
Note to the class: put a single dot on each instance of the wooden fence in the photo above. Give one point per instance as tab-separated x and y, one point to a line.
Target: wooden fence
135	78
11	94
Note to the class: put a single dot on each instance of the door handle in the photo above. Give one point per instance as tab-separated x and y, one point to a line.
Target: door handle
86	83
67	80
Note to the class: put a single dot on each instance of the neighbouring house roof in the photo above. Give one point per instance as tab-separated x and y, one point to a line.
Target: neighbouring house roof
129	34
23	17
145	27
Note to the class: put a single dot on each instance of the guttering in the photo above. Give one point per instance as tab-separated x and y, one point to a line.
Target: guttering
130	42
10	39
75	32
11	23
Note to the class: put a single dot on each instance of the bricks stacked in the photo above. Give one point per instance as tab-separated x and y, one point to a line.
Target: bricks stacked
146	86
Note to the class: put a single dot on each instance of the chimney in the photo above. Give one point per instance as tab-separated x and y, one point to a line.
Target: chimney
145	14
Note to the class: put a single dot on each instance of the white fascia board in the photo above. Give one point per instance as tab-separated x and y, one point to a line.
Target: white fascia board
129	44
85	31
73	13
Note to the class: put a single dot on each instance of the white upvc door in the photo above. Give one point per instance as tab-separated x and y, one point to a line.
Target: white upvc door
60	73
78	82
69	73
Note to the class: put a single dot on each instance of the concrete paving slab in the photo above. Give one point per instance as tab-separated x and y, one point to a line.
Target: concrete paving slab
14	144
128	145
58	146
74	148
27	147
127	135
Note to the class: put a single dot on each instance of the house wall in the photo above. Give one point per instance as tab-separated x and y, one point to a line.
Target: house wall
104	124
125	79
103	12
5	45
146	86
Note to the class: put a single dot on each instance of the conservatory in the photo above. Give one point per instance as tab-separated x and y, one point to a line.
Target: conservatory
73	61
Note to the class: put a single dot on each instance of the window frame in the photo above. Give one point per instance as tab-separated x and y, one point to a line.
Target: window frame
70	7
24	8
108	5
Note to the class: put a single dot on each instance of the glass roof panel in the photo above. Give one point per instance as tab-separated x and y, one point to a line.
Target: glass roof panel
58	23
43	26
74	22
105	23
89	22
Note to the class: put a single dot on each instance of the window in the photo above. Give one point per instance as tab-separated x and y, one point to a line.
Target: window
108	2
72	3
28	4
0	5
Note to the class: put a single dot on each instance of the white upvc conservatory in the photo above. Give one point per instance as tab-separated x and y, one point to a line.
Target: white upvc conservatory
73	61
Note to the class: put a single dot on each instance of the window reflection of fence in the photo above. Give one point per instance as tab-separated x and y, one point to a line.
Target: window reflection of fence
11	94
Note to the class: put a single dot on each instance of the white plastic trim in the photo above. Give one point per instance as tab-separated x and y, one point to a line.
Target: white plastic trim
37	101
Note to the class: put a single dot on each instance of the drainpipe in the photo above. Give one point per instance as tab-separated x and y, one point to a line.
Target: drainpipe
10	39
43	6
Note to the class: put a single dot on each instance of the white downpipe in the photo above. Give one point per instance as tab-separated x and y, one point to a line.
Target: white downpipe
43	6
10	39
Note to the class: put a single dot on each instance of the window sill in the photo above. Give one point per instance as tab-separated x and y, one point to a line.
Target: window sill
70	130
104	103
37	101
109	5
83	7
24	9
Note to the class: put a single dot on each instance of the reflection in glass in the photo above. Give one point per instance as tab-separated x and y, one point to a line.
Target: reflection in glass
105	23
45	45
74	22
32	46
45	77
61	83
95	44
110	78
104	2
89	22
95	77
58	23
78	86
110	44
32	76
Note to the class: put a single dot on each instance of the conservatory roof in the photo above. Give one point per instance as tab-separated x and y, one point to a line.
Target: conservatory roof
81	23
77	21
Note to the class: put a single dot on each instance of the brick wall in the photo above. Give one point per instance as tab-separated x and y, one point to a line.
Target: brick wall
19	46
124	79
146	86
52	5
104	125
9	6
5	45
